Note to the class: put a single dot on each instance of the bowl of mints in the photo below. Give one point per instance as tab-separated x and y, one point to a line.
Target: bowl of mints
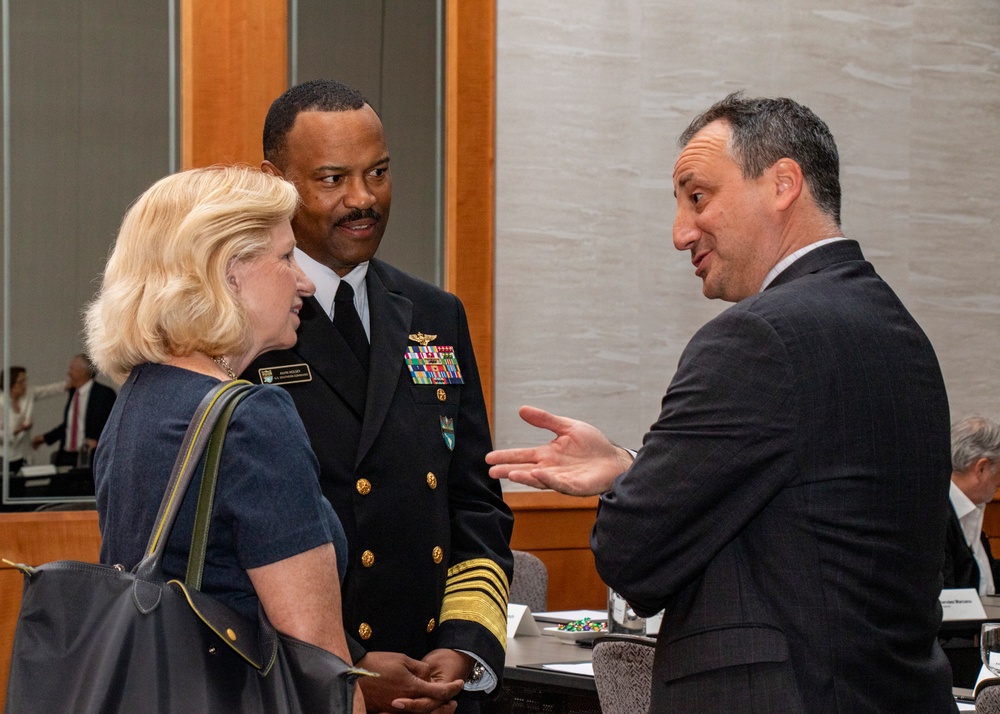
584	630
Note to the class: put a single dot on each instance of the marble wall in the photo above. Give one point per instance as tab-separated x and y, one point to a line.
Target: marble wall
594	305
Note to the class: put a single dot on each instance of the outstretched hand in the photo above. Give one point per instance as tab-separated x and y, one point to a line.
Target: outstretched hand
580	461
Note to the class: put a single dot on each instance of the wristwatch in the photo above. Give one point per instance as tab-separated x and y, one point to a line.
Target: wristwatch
476	674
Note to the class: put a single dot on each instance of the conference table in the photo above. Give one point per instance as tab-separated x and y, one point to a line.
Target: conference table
530	686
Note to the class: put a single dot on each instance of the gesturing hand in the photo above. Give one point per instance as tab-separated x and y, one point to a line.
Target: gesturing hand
580	461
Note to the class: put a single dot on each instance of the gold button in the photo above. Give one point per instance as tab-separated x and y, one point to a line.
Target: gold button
442	395
437	554
364	486
365	631
432	480
231	634
368	559
430	625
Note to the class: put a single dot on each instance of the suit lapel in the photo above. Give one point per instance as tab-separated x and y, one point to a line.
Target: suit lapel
390	315
321	346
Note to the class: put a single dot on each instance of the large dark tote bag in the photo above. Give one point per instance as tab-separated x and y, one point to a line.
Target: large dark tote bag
95	639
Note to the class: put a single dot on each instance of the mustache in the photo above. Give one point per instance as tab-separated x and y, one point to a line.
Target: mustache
360	214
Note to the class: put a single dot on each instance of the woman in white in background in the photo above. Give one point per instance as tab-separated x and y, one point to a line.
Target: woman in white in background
16	436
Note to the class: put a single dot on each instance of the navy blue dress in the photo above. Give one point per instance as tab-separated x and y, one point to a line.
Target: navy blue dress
268	503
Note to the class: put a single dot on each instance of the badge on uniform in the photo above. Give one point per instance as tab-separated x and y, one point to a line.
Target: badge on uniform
448	432
432	364
285	374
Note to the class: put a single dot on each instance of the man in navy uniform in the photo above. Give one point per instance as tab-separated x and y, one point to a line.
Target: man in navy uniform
385	379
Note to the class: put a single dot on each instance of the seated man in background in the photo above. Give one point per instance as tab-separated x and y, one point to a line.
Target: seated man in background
975	477
968	562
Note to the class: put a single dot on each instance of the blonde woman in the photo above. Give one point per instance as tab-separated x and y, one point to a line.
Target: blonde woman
201	280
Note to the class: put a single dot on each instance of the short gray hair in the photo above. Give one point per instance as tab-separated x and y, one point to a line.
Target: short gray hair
972	439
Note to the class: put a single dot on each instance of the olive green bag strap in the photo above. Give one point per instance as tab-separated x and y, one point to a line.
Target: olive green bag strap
206	495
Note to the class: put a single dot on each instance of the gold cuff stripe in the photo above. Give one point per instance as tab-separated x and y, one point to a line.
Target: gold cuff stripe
477	586
479	578
475	607
483	567
477	590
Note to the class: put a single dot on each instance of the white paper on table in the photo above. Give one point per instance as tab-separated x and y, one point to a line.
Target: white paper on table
571	615
961	604
584	668
520	621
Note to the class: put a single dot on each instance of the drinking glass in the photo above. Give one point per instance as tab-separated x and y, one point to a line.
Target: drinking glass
989	646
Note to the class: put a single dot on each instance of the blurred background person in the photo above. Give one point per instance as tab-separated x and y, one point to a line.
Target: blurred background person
975	477
202	279
15	434
87	409
968	560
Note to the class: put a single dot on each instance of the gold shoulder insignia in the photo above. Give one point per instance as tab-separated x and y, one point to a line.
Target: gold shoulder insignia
423	340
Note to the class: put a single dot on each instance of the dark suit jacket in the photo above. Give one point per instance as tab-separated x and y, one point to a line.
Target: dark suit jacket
787	508
99	405
960	568
427	528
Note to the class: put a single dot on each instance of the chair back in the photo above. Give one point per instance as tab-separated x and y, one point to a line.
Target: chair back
988	696
530	583
623	671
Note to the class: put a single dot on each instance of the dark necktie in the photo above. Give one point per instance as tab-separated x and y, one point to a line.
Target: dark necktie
347	320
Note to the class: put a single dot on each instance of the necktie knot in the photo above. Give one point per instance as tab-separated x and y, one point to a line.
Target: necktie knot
345	293
348	322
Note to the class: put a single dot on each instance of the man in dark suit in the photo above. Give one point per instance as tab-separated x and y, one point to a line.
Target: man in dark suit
786	509
975	478
385	379
86	412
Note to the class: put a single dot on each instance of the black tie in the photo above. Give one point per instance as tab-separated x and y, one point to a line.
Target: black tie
346	319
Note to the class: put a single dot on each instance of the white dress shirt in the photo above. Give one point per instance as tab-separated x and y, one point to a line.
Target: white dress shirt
970	516
19	445
327	282
792	257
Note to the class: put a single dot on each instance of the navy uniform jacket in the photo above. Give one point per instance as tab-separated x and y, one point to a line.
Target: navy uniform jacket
788	506
427	528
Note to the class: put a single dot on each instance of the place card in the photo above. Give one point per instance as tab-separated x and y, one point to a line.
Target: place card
961	604
520	622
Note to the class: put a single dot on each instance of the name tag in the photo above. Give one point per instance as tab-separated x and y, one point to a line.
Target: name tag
286	374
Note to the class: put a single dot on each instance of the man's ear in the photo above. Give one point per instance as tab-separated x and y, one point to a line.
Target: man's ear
788	182
269	168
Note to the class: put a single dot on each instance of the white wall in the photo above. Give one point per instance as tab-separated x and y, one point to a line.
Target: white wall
594	305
